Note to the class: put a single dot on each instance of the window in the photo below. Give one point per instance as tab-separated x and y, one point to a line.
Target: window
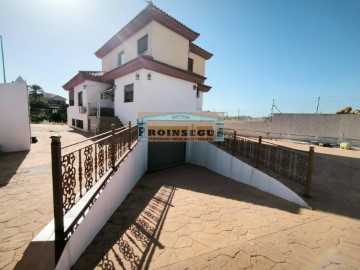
71	98
121	58
190	64
197	93
129	93
79	124
143	45
73	122
80	98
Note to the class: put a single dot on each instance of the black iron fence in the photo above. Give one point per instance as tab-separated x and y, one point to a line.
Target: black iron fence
295	165
77	171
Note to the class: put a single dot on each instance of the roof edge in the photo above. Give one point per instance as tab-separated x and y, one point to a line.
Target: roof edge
200	51
150	13
148	62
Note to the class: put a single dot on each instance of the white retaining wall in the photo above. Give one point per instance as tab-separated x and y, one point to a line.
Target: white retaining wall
128	174
209	156
324	128
14	117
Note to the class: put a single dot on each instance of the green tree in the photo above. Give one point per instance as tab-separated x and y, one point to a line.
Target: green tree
39	104
35	91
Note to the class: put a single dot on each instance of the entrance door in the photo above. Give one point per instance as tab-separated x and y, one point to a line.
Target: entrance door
163	155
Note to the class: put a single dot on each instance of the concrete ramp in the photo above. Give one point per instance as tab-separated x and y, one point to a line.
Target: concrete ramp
217	160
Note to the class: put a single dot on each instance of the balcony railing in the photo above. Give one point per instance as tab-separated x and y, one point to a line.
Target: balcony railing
94	109
76	172
295	165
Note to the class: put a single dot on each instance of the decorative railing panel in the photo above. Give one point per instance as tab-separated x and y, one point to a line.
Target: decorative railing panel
75	172
295	165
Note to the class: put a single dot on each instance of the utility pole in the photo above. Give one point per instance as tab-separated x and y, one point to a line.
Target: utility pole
3	61
238	114
317	108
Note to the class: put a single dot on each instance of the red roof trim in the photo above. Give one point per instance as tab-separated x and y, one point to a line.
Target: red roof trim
146	62
83	76
200	51
149	14
151	64
204	88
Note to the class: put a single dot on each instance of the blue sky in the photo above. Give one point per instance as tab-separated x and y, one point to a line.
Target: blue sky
287	50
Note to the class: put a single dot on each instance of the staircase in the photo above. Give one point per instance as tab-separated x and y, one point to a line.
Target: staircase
103	123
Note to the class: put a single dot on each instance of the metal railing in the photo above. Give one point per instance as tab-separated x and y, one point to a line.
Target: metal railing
94	109
77	171
295	165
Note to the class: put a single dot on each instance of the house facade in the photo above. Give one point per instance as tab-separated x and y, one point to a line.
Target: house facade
150	65
55	102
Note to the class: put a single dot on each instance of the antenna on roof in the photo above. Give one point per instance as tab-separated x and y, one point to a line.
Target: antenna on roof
149	2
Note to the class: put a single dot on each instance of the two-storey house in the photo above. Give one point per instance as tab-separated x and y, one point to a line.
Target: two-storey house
150	65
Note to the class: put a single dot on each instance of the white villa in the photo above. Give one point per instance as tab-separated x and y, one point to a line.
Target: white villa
150	65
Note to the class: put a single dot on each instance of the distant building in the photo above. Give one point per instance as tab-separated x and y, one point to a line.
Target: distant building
150	65
55	102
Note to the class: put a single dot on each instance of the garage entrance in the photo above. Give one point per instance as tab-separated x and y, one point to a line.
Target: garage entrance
163	155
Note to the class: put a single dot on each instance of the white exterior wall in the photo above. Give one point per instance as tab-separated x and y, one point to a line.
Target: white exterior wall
160	94
163	44
217	160
199	101
91	94
169	47
110	61
199	64
14	119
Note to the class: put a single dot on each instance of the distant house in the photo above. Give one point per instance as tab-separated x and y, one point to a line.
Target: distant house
55	102
151	64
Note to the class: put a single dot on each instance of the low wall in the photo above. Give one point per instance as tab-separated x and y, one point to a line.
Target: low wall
14	119
122	182
128	174
323	128
209	156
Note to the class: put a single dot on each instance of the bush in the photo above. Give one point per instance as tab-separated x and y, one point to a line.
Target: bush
58	117
39	104
38	118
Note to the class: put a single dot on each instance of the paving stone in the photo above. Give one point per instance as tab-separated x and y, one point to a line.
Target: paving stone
184	253
194	227
183	241
242	260
166	258
260	262
168	239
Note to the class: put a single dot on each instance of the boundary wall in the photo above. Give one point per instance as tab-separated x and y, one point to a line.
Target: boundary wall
322	128
14	120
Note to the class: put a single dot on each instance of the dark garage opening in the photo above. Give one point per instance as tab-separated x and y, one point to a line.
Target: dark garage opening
163	155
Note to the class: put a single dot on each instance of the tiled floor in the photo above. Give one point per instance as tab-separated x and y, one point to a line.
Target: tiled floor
191	218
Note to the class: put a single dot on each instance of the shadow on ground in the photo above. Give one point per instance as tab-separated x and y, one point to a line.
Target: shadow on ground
336	185
131	235
9	164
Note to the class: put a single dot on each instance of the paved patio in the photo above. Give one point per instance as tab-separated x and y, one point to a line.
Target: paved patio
191	218
26	192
